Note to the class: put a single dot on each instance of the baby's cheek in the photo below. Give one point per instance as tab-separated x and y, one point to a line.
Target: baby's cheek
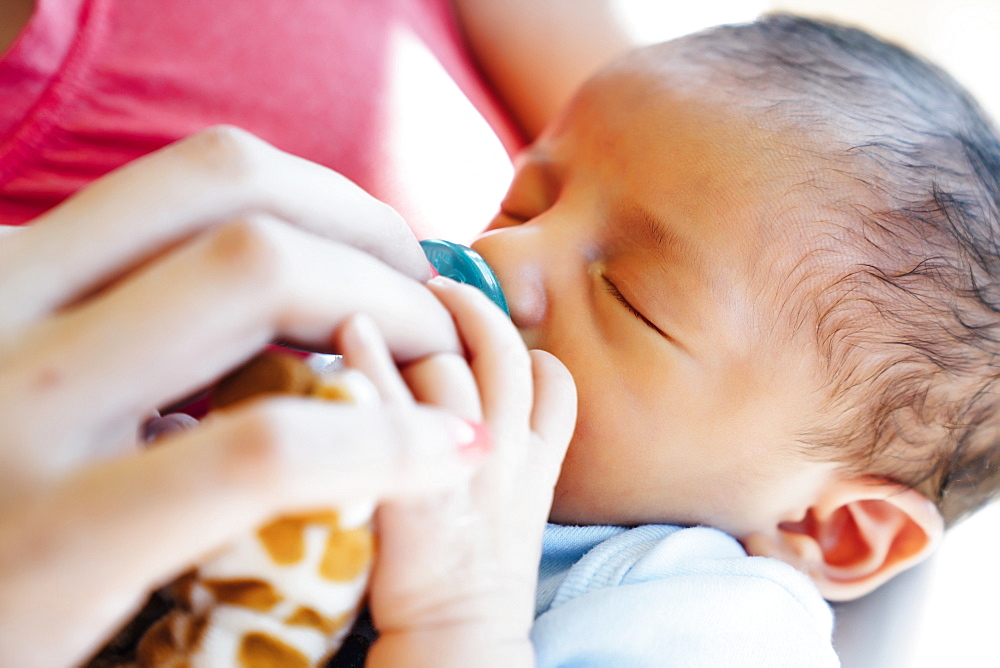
586	491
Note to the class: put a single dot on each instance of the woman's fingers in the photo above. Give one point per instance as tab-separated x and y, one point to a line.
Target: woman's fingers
217	175
201	310
159	510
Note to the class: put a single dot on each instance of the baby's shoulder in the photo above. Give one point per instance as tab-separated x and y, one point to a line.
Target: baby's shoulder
685	591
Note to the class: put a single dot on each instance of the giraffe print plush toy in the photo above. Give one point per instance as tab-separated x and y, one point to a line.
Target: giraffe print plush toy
287	594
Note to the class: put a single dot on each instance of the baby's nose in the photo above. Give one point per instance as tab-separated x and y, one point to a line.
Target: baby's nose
516	254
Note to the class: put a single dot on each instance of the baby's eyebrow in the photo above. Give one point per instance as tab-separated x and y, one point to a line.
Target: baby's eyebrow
651	230
656	230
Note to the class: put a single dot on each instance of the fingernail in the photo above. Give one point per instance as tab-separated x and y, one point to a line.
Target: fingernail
471	438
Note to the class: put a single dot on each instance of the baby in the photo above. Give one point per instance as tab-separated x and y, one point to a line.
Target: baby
767	255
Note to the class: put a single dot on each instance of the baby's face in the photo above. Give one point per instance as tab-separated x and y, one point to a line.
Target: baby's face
634	244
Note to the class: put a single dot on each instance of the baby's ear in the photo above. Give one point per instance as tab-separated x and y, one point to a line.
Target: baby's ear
860	532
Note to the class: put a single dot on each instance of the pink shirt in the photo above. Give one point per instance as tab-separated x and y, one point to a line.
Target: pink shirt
383	91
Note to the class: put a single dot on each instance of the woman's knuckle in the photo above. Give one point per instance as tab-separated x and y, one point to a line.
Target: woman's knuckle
389	218
247	248
225	152
258	437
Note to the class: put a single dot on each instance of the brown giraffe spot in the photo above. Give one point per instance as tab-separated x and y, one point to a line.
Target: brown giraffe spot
259	650
311	619
157	645
284	539
347	554
182	588
195	630
246	593
268	373
329	390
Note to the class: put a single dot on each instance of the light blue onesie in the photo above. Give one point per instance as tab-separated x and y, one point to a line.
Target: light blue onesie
662	596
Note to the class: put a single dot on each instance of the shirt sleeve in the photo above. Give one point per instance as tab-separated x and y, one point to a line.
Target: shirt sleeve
689	598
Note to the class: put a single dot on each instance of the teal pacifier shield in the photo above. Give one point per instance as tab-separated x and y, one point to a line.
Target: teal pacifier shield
464	265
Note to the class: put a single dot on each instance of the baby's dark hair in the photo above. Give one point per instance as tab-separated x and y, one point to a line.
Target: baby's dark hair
910	327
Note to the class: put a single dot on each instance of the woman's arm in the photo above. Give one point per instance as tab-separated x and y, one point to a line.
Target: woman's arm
537	52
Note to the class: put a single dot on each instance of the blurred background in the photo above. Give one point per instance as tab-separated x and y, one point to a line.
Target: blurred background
944	613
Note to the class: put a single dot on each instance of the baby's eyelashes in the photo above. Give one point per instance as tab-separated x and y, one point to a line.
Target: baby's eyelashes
612	290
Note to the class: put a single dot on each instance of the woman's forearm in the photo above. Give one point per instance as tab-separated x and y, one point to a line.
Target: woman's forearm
537	52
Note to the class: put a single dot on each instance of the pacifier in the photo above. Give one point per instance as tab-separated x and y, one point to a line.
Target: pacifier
462	264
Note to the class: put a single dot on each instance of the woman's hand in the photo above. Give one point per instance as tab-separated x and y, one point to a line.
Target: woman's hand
455	579
138	291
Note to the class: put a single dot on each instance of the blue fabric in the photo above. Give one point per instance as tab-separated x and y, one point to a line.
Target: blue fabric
662	595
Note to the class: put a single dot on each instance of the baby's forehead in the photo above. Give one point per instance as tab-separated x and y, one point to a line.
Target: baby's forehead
805	192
